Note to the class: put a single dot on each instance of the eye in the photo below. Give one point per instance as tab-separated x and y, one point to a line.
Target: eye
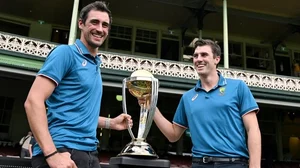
94	22
105	24
204	54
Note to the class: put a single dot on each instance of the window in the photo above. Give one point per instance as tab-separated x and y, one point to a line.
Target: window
259	58
234	54
120	38
169	50
6	106
14	28
297	56
146	41
60	36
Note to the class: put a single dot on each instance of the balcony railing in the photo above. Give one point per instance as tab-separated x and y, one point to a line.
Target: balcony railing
130	63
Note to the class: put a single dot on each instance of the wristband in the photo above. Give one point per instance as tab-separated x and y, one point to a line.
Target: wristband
51	154
107	123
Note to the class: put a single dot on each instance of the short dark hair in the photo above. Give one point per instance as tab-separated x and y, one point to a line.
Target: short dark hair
216	49
98	6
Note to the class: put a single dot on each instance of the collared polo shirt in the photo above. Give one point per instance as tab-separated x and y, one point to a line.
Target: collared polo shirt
214	118
74	105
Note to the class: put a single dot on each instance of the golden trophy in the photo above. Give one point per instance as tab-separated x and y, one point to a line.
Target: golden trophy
142	85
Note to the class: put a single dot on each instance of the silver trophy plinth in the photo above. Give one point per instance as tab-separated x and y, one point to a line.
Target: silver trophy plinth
142	85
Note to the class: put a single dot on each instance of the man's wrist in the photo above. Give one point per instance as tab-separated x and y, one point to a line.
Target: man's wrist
107	123
51	154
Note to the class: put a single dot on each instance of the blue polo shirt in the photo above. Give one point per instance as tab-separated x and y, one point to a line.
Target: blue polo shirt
74	105
214	118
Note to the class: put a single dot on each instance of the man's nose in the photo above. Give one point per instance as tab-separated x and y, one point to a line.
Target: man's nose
100	28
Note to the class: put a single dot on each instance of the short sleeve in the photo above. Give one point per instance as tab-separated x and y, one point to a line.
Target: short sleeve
180	114
57	63
246	100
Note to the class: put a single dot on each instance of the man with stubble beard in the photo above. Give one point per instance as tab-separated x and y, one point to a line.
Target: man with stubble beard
70	83
219	112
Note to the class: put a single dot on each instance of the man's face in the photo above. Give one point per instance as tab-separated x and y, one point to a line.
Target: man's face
204	61
95	29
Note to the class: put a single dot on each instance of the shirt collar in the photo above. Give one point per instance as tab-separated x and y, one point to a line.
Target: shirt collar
222	82
82	47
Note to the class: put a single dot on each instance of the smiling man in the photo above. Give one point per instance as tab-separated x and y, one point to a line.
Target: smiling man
218	112
70	83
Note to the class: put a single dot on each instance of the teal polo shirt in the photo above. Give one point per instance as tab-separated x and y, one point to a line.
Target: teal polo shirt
74	105
214	118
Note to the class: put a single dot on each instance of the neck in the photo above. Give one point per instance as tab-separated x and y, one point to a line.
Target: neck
93	50
209	81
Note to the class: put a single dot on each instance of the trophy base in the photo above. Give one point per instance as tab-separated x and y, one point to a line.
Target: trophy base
138	148
131	162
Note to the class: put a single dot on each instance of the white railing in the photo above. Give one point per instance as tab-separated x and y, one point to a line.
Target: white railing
156	66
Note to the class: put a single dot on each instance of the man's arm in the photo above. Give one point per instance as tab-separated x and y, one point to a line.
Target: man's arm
120	122
35	108
254	139
101	122
30	150
21	141
31	143
172	131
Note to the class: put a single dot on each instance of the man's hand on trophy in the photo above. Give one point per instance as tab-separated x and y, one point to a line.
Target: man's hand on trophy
144	101
141	101
121	122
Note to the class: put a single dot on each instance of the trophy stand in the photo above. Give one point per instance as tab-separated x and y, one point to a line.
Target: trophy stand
135	162
138	153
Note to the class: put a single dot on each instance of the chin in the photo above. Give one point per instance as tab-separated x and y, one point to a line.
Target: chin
97	44
202	73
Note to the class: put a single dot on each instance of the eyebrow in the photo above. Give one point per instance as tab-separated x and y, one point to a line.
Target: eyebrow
93	20
201	53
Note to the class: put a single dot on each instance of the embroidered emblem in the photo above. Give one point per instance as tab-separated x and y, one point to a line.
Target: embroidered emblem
84	63
195	97
222	91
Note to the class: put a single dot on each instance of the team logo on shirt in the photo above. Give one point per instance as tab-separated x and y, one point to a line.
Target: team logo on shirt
222	91
195	97
84	63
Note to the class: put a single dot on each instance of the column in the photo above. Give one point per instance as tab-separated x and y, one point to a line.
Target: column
73	26
225	34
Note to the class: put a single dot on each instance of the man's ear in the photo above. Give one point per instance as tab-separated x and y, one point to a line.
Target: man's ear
80	24
217	60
